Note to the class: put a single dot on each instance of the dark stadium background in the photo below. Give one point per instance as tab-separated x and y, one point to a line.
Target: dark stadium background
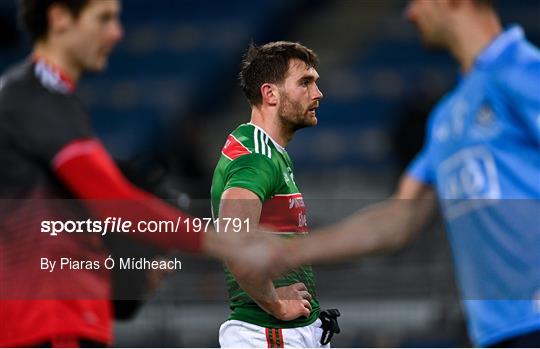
170	96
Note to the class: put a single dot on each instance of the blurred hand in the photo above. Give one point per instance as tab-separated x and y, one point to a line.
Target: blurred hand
293	301
154	277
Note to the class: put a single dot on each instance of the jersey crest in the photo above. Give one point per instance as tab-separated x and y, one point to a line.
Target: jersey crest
233	148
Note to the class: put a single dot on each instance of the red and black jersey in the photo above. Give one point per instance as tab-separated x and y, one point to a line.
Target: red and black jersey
39	115
50	157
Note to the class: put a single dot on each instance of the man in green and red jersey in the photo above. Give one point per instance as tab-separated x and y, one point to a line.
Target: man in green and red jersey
254	182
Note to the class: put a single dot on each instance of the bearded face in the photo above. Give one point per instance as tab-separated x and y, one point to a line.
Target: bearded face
299	97
295	114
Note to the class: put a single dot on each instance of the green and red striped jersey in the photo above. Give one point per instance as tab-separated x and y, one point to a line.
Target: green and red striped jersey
250	159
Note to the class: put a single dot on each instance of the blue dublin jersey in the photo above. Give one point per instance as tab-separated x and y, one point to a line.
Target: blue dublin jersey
482	156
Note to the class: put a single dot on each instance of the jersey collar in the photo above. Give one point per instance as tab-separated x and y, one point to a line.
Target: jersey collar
278	147
499	45
52	77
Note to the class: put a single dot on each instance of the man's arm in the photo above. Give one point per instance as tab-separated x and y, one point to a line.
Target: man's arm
384	226
285	303
85	167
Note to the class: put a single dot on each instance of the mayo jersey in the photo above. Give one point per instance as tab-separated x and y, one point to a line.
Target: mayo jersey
250	159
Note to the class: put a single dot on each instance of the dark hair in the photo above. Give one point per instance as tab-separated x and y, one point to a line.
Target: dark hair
488	3
33	14
269	63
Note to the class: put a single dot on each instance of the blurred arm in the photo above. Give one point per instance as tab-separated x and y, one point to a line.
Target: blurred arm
87	170
384	226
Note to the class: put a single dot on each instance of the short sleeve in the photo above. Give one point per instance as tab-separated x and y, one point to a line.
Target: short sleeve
421	169
520	87
254	172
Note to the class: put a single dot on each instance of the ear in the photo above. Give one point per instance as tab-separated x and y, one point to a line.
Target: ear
270	94
59	18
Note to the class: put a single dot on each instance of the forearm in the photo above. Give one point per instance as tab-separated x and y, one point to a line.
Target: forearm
380	227
87	170
261	290
220	246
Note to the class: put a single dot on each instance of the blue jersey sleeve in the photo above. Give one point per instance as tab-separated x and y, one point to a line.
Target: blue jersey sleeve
520	87
420	168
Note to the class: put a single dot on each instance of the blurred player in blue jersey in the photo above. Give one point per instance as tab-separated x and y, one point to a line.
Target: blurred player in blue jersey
481	164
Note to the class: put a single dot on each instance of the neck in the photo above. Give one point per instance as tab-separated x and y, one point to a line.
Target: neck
59	59
269	122
473	35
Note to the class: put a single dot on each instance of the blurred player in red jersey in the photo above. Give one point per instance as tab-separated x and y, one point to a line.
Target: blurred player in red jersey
48	151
